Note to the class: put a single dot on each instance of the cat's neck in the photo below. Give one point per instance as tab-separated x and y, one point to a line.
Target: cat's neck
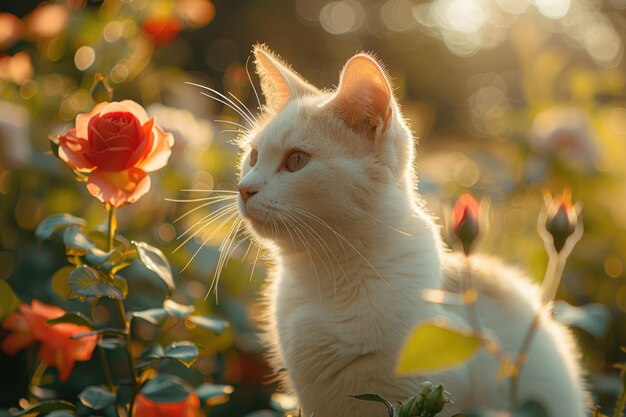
399	242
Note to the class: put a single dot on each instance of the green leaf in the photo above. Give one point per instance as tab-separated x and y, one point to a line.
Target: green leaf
86	282
96	398
156	262
60	284
121	334
376	398
184	352
52	224
98	257
76	241
166	388
47	407
177	310
61	413
154	351
122	284
74	318
8	300
156	316
209	323
431	348
111	344
207	392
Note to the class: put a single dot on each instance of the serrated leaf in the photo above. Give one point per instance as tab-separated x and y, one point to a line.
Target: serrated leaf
47	407
86	282
177	310
184	352
155	261
156	316
8	300
431	347
96	398
375	398
52	224
60	284
73	318
209	323
76	241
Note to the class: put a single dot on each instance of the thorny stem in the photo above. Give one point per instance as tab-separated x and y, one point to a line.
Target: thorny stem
112	223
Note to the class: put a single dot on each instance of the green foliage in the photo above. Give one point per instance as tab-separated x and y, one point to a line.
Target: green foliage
155	261
87	282
432	347
427	403
96	398
55	223
8	300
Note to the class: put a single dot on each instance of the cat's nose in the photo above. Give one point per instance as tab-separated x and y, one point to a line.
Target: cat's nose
246	193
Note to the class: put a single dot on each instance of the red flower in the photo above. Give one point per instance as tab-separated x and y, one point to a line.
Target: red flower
117	144
57	348
161	29
465	220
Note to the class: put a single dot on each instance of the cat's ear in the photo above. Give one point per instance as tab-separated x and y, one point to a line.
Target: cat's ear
279	83
364	99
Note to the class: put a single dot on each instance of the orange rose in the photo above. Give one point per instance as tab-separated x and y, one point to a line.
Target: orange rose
118	145
57	348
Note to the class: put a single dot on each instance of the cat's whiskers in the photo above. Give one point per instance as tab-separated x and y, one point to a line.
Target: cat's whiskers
260	108
213	233
339	236
323	246
215	200
307	249
224	254
206	220
246	114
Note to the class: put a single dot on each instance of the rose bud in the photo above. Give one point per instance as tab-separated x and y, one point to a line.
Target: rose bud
561	220
465	221
101	90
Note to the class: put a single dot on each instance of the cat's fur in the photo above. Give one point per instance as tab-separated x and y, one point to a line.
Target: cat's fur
354	249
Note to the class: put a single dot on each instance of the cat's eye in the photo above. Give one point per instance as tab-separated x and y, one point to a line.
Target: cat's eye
254	156
296	160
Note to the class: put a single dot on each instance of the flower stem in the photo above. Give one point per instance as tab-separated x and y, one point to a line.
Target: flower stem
112	226
469	298
106	368
35	380
621	402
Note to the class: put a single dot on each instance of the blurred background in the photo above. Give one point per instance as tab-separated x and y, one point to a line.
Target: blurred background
507	97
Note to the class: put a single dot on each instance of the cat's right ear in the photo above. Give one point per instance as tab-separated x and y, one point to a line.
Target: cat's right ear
279	83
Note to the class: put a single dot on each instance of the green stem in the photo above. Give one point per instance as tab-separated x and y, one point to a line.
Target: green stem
35	380
112	223
106	368
621	402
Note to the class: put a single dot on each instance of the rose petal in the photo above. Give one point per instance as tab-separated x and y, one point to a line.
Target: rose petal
45	310
72	150
82	120
127	106
118	188
161	150
58	357
144	147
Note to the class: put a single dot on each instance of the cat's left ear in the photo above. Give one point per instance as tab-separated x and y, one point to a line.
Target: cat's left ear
279	83
364	99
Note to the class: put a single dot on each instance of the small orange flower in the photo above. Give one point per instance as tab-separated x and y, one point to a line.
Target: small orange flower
57	348
117	144
465	220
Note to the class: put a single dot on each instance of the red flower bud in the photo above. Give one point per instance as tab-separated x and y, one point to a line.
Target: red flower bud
561	219
465	221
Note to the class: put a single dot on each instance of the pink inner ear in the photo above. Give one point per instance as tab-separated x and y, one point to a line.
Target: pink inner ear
363	98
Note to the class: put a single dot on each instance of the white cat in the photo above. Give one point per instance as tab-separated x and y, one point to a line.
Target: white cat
328	186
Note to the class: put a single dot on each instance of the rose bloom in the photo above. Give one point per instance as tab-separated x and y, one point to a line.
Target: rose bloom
117	144
465	220
30	325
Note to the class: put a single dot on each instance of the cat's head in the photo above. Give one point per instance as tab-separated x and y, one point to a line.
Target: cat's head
329	159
